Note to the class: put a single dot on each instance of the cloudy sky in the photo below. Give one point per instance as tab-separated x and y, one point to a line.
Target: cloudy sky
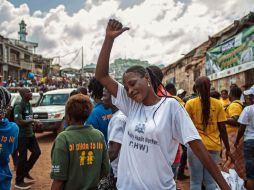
161	30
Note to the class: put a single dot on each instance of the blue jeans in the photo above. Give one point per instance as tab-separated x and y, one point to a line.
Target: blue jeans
5	177
248	148
198	173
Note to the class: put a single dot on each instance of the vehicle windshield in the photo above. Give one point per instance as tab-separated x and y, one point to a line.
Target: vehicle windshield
35	100
54	99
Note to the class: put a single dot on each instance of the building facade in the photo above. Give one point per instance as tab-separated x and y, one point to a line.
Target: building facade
18	58
185	71
226	58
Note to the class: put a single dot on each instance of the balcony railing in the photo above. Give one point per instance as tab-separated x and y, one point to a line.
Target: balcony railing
14	61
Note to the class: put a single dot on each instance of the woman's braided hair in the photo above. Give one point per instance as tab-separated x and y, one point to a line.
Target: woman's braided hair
202	85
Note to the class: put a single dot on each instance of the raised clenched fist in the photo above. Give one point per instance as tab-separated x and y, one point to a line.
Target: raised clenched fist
114	29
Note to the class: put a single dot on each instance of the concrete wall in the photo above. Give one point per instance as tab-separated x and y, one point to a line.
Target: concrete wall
185	73
243	80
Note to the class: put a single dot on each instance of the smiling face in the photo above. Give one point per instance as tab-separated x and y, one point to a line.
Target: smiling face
136	86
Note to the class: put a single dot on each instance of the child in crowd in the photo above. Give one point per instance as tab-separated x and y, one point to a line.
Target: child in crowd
9	140
79	155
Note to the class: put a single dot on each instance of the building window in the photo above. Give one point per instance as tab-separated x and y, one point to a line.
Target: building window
27	58
14	57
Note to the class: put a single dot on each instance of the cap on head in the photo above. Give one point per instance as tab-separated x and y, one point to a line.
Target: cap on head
180	91
249	92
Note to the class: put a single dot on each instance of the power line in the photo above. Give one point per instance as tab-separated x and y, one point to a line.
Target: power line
61	56
74	59
78	50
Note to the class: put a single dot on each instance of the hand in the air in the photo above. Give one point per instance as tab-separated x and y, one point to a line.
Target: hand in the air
114	29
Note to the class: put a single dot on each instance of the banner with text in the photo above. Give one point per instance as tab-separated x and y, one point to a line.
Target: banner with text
232	56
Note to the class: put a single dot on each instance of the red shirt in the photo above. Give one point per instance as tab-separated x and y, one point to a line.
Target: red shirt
162	91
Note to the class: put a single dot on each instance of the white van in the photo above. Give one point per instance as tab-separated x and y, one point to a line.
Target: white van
51	109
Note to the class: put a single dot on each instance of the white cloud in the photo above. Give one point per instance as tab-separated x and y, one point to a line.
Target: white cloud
160	32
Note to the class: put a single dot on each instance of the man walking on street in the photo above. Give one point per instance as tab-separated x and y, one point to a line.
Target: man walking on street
27	139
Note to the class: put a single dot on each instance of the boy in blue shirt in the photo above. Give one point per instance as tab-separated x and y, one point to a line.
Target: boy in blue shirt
100	116
8	140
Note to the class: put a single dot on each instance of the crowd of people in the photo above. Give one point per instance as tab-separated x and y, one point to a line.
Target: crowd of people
136	134
43	85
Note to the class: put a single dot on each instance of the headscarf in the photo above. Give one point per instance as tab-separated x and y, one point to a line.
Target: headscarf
5	98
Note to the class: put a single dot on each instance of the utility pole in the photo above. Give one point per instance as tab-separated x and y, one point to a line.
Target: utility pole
50	62
82	63
82	66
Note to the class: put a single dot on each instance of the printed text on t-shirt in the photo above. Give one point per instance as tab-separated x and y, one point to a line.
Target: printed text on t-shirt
86	146
5	139
142	143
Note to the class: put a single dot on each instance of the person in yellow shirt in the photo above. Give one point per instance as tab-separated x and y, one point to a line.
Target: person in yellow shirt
224	98
215	94
208	116
233	111
181	93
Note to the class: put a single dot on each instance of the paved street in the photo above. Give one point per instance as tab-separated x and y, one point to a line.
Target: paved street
41	169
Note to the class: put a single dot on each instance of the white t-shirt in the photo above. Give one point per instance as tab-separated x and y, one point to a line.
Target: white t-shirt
150	142
247	118
116	128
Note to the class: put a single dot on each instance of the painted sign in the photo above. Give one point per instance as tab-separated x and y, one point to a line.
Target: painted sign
232	56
